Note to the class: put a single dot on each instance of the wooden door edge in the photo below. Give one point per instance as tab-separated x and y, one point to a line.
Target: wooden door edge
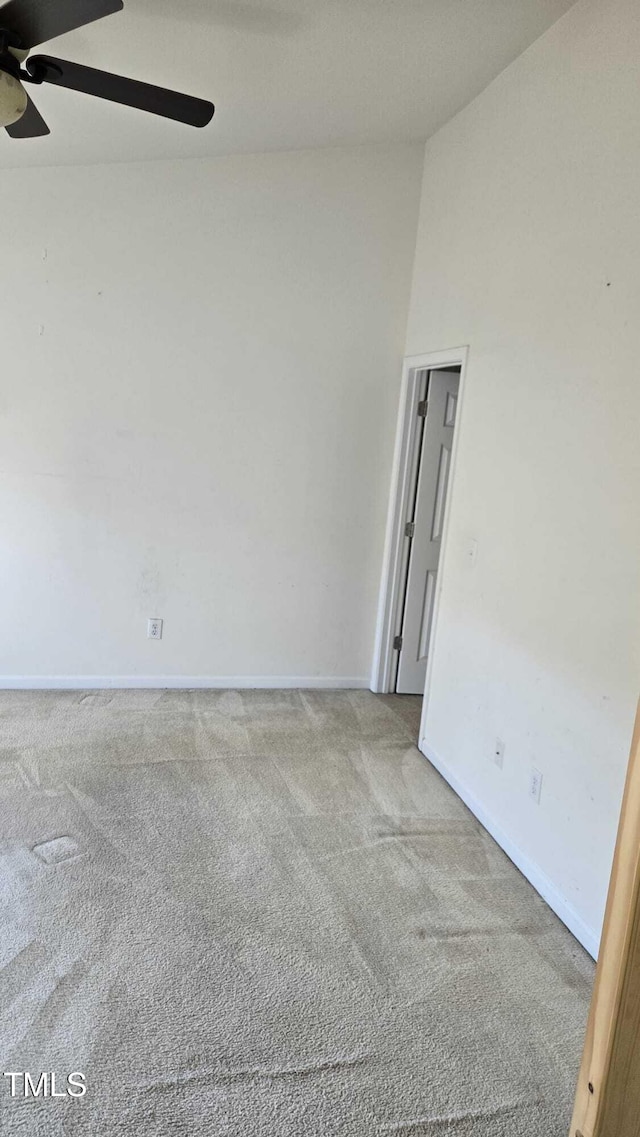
596	1078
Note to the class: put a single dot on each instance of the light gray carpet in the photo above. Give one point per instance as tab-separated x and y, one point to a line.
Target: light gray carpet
264	913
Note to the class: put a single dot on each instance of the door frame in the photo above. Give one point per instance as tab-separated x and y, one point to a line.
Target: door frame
389	605
607	1097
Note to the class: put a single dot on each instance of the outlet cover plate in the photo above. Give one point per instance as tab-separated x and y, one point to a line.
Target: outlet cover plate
535	785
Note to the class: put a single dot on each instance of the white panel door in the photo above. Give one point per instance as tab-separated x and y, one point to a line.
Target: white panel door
425	538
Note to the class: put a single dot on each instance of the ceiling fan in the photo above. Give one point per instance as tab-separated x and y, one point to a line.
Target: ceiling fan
26	23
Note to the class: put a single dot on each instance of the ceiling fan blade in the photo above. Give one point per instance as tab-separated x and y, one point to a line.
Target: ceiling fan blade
36	21
115	88
31	125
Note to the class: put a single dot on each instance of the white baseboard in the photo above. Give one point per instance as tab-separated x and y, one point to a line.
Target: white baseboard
179	682
585	935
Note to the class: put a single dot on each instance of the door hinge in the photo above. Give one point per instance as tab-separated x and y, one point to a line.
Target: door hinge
410	529
397	643
422	408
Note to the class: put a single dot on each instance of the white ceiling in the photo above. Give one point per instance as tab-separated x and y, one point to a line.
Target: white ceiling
284	74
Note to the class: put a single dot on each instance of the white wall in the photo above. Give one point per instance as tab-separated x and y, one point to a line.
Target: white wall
199	368
529	251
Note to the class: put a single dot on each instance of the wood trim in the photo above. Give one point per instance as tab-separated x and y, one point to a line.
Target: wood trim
608	1095
181	682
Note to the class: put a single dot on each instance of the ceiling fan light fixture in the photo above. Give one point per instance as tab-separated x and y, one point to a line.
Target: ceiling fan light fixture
13	99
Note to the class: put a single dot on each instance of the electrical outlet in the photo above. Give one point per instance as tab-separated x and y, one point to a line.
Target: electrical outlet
154	629
498	753
535	785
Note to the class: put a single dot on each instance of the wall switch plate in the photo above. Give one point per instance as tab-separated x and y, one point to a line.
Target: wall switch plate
535	785
154	629
498	753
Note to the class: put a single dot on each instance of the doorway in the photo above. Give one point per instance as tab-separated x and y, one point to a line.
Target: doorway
416	532
437	411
